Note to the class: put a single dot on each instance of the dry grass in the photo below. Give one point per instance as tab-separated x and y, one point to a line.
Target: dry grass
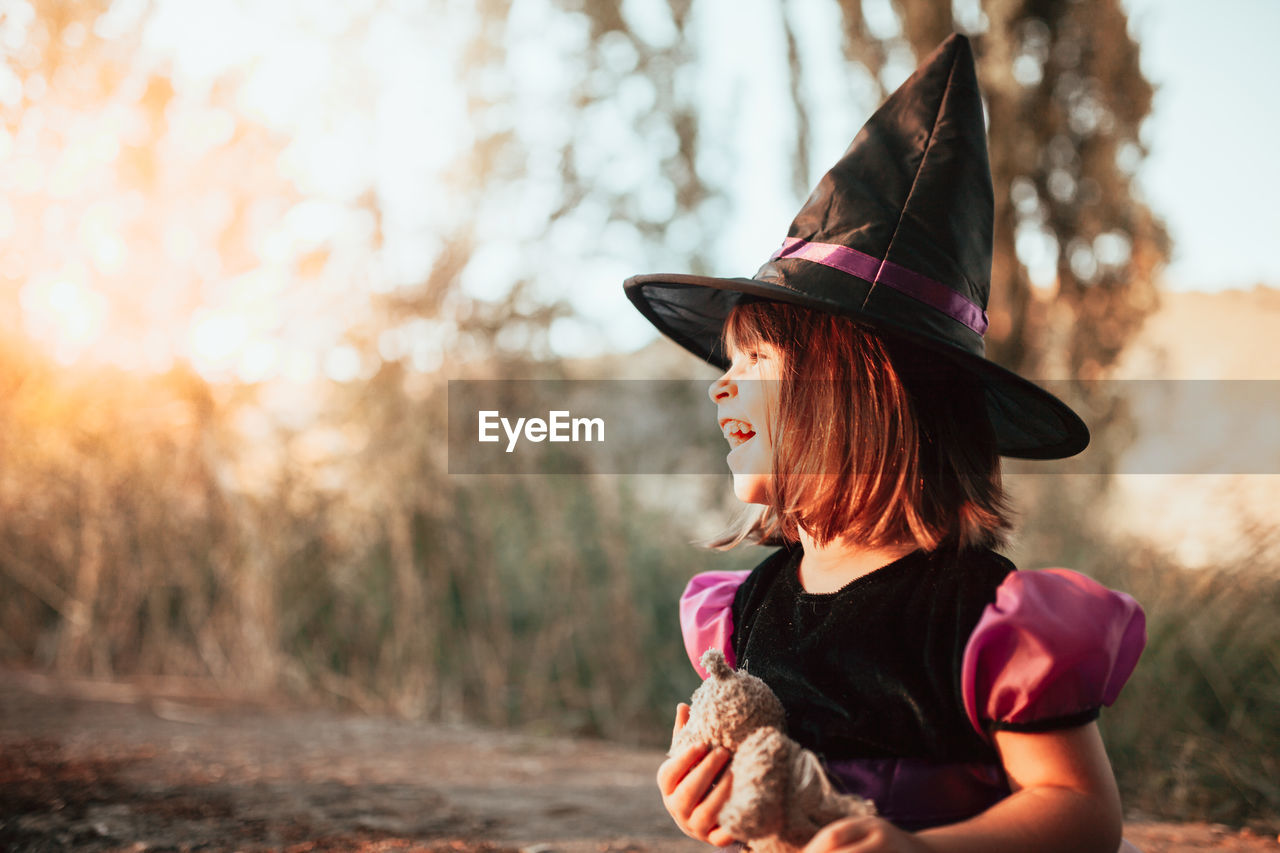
141	534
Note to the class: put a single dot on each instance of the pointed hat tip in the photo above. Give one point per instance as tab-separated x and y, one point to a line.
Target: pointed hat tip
952	46
936	72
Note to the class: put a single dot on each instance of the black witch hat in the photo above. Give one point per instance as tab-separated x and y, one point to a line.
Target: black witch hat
897	235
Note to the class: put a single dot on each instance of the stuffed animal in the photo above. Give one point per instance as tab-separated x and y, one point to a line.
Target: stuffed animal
781	795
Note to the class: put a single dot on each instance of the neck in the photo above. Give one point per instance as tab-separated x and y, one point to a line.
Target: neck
829	567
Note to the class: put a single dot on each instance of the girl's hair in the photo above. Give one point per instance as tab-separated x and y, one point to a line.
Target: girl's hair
877	440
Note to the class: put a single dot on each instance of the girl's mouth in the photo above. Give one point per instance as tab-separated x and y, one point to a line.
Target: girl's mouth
737	432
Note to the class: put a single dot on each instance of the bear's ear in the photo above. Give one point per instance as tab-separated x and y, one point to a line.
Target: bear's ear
715	665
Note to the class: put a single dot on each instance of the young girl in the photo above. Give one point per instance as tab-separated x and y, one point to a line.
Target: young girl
925	671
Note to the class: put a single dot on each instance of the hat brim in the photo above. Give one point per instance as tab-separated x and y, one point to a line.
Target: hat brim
1029	422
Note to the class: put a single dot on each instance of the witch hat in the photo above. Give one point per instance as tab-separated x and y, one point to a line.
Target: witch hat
897	235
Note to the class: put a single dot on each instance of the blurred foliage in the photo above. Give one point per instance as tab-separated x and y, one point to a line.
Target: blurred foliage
147	539
303	535
127	196
1194	734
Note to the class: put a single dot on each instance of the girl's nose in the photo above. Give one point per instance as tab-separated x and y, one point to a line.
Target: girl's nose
723	388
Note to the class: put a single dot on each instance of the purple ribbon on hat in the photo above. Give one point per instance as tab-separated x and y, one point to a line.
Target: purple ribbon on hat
901	279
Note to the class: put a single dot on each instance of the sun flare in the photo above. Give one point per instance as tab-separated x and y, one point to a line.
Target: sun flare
65	316
184	154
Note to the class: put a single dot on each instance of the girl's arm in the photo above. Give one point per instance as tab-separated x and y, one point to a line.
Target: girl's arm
1064	799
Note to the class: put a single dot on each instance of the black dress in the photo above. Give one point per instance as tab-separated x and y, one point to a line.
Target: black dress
897	680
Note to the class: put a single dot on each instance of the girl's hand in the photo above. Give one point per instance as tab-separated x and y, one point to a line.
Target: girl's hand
865	835
685	780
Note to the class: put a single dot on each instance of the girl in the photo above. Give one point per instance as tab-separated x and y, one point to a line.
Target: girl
928	674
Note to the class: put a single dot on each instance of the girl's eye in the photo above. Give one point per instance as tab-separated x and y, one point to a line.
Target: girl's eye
751	356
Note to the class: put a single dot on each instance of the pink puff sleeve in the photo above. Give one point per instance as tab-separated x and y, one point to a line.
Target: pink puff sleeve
1051	649
706	615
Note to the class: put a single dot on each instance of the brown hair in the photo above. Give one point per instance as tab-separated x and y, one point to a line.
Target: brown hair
876	440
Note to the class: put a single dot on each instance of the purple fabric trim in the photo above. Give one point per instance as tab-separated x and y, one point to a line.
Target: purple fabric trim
901	279
915	794
706	615
1053	643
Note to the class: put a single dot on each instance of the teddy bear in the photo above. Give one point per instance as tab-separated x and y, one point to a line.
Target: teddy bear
781	795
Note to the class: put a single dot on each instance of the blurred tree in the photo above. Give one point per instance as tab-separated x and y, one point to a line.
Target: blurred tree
129	202
480	573
1067	99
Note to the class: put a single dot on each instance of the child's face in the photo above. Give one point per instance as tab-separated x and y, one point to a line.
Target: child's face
746	399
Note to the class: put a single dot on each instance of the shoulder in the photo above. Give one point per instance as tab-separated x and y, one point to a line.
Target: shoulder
708	605
717	585
1051	648
962	583
1066	609
974	566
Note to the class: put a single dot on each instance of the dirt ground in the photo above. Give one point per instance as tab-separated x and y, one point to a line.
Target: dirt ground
88	766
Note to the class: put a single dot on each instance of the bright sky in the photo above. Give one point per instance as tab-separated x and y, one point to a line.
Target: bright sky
1213	171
